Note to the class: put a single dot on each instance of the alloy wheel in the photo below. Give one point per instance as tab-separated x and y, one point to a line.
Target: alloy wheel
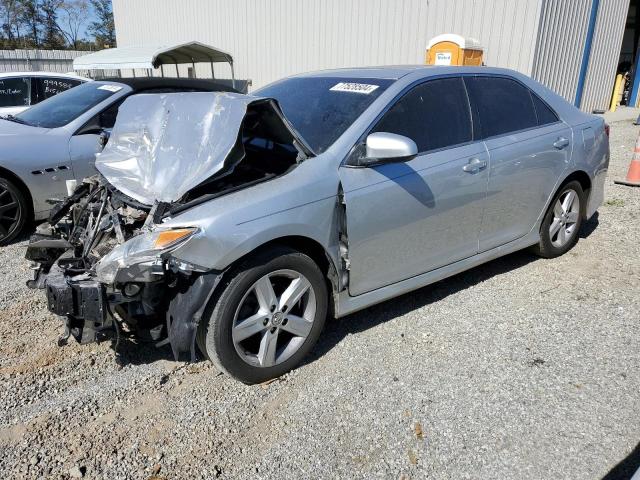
274	318
9	211
566	212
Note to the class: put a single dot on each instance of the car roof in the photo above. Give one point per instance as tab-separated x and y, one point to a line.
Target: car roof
151	83
395	72
391	72
43	74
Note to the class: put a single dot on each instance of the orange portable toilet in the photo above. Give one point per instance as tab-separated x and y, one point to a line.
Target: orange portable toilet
452	49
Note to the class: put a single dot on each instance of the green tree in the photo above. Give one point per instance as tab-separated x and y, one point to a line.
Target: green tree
55	24
52	36
10	23
31	18
74	17
103	29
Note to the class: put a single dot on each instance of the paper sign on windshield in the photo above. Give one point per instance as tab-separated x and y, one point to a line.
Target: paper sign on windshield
353	87
110	88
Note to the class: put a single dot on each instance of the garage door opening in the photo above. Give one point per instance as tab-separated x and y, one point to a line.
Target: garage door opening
629	61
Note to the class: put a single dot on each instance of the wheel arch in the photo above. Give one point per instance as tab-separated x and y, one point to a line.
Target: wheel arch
585	181
15	179
310	247
583	178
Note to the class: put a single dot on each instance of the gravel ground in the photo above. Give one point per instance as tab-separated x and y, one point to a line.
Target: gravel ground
521	368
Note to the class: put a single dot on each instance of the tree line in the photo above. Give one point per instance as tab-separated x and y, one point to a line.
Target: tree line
56	24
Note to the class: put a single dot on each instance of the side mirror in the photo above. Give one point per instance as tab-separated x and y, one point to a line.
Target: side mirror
383	147
103	138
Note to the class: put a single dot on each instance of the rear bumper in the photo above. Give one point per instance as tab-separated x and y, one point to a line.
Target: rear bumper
596	196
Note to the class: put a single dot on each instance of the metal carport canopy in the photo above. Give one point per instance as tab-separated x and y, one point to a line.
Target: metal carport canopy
150	57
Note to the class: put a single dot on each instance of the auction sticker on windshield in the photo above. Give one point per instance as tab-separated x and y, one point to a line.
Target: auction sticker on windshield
110	88
353	87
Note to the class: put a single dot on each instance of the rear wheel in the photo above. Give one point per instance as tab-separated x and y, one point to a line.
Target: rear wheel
14	211
562	222
268	316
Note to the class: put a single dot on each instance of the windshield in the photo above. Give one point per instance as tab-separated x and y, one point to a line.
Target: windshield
65	107
322	108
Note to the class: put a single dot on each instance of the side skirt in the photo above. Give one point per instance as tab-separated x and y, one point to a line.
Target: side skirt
347	304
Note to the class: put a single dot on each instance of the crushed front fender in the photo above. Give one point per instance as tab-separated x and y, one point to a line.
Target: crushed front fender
185	312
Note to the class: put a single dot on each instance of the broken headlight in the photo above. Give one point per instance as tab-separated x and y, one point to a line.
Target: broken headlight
142	249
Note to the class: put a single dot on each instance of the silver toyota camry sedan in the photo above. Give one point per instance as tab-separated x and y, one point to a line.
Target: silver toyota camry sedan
237	224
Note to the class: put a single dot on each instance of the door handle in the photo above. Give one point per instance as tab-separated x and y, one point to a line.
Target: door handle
474	165
561	143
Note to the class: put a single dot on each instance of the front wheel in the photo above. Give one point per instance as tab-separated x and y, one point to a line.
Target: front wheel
268	316
562	222
14	211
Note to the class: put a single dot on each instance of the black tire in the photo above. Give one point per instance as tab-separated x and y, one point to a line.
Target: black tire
546	247
215	333
14	211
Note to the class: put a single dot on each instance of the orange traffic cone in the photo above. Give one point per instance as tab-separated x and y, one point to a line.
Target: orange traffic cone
633	175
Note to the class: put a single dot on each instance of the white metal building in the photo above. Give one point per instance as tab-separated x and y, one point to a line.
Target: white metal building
573	47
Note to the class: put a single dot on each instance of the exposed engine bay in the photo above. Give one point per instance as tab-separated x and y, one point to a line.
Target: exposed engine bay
82	229
103	258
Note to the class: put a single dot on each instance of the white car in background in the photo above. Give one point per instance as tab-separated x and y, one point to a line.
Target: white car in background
20	90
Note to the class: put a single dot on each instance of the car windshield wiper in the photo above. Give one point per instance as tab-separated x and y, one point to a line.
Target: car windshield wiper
11	118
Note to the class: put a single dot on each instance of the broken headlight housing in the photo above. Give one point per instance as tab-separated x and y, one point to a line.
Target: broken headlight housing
145	249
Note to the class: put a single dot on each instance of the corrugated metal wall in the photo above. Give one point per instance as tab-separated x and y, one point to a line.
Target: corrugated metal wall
561	38
603	63
60	61
270	40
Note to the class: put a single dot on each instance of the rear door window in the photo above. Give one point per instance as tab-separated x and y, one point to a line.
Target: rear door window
15	92
543	111
503	105
434	114
49	86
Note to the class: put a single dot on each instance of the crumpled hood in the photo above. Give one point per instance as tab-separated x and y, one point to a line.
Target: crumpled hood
164	145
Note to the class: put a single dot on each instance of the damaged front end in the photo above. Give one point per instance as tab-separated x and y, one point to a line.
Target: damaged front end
109	273
105	259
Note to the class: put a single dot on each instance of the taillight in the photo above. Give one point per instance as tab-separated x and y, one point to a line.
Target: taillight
606	129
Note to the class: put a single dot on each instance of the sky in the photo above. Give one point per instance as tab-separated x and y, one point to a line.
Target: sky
90	18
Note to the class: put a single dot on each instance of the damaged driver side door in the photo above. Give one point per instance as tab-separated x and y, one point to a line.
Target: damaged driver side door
405	218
